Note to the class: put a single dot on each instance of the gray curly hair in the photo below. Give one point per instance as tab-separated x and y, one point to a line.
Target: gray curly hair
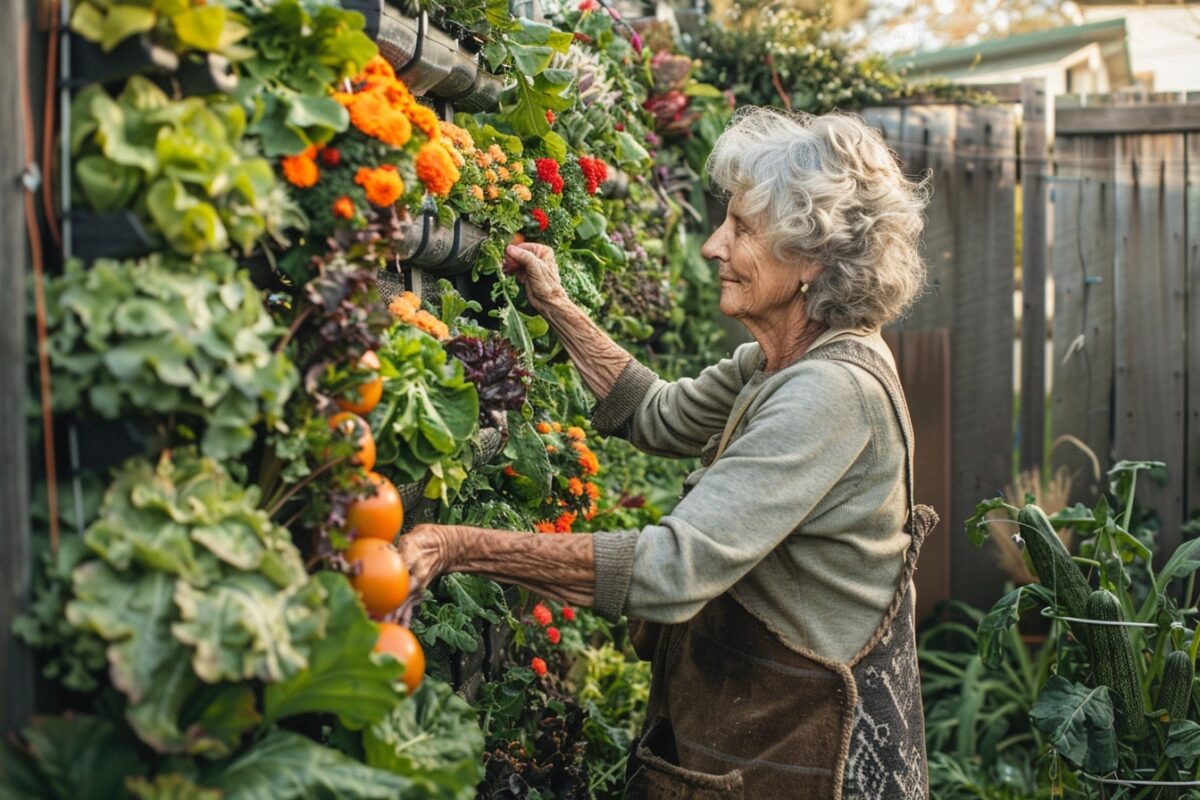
828	188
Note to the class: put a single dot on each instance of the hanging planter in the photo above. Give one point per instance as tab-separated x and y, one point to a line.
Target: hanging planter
441	249
482	95
195	74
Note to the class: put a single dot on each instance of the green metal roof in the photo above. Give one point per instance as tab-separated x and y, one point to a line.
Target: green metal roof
1050	42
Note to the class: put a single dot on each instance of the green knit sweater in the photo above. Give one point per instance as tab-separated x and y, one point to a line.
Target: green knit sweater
802	516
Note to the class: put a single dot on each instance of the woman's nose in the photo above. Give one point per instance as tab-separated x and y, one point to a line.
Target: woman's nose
714	247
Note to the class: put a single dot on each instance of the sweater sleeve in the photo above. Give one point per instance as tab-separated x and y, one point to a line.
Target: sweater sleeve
801	442
674	419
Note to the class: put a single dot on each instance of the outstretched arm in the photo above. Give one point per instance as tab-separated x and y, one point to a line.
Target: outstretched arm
558	567
598	358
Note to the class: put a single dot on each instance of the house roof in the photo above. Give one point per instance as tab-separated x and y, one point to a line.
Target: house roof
1014	52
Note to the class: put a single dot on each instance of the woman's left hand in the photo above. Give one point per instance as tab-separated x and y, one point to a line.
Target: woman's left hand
428	551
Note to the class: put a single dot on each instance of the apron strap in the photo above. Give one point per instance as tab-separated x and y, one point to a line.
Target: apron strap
862	356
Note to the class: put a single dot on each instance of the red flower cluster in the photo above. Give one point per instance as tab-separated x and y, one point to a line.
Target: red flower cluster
550	116
543	615
547	172
595	172
553	634
538	666
540	218
568	613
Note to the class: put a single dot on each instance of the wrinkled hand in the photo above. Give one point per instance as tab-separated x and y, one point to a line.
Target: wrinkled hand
535	268
428	551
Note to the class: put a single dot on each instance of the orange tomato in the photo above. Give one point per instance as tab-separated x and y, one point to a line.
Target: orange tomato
349	425
369	393
379	516
380	575
400	642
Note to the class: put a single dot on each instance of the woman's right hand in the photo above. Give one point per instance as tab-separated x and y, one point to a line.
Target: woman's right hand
535	268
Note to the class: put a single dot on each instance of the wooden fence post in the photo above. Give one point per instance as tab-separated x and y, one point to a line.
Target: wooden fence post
1033	272
16	676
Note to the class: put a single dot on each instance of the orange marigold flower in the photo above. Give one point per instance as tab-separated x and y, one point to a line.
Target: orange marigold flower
405	306
476	191
564	521
522	193
378	65
575	487
343	207
509	472
432	325
435	168
590	513
545	526
497	153
557	426
482	159
460	137
383	185
517	168
593	491
504	174
587	459
426	119
374	115
489	175
493	193
301	170
543	428
576	433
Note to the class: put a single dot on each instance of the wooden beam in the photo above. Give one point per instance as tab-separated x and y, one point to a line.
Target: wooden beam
16	674
1033	271
1130	119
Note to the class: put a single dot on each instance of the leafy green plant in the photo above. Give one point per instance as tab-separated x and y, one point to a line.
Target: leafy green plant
1112	687
179	25
159	337
300	51
428	414
194	590
178	163
433	738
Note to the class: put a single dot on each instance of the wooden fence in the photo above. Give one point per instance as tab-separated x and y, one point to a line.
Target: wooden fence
968	154
1111	233
1126	271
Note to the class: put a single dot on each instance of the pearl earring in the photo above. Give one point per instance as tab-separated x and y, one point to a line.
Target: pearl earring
804	288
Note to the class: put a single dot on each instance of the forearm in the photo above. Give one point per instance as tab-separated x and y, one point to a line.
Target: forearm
558	567
598	358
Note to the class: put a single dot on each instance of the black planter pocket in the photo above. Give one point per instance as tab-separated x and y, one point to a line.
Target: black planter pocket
120	235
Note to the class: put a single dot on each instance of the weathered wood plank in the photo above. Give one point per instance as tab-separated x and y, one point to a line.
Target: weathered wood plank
1192	255
1128	119
1084	230
1033	272
927	147
923	361
1150	325
982	335
16	682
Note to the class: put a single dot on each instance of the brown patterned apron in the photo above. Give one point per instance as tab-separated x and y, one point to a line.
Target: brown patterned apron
736	711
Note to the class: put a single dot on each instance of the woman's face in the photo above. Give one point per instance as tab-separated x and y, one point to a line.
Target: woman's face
755	285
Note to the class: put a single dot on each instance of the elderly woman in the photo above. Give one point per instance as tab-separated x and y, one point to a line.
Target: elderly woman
775	601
